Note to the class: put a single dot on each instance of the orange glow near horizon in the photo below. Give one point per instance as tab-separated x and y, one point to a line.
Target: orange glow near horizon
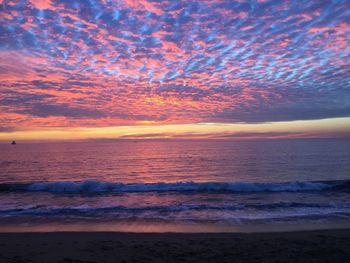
335	127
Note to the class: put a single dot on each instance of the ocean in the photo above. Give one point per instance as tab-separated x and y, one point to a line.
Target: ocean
175	185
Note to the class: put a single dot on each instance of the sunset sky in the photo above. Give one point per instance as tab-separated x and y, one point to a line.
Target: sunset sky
74	69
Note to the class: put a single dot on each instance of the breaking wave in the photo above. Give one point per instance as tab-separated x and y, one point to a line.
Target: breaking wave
93	186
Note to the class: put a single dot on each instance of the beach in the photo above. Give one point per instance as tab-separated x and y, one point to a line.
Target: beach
304	246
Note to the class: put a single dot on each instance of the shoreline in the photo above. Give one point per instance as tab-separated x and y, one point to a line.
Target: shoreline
139	226
331	245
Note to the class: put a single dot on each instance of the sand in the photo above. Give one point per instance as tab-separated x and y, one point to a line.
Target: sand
307	246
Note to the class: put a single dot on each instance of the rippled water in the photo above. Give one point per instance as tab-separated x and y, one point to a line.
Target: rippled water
231	183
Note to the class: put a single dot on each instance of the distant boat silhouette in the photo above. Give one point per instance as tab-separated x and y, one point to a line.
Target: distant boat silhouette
13	143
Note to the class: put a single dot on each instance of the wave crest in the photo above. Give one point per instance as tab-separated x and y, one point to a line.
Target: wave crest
93	186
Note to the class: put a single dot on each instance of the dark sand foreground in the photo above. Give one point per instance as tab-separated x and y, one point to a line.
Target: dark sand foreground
309	246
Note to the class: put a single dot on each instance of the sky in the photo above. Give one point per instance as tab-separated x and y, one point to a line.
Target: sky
75	69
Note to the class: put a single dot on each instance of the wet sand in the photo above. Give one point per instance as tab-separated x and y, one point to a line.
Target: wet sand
306	246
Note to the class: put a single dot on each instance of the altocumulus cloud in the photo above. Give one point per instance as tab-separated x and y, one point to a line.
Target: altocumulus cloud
103	62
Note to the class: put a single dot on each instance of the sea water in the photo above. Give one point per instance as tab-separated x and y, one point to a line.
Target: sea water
175	185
